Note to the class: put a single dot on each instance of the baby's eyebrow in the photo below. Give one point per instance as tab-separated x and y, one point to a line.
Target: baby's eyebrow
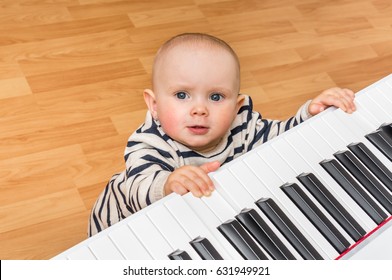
180	87
221	90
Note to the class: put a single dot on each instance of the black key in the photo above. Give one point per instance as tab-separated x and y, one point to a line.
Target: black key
368	181
354	190
387	128
264	235
373	163
382	141
242	242
205	249
288	229
179	255
316	217
330	203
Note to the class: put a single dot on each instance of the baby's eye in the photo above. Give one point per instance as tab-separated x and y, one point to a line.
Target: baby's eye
216	97
181	95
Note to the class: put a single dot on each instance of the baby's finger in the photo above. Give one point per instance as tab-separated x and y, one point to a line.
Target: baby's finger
340	99
350	96
345	99
346	103
349	92
200	177
210	166
203	181
179	189
182	181
192	185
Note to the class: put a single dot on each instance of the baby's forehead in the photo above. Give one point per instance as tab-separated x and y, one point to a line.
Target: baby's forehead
187	50
190	47
180	50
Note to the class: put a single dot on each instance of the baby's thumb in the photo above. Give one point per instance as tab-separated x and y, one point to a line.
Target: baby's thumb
316	108
210	166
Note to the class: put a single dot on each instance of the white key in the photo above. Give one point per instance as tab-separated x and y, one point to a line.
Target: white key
318	134
333	141
358	123
300	165
274	183
313	158
355	133
219	207
373	108
346	135
336	144
211	221
130	247
362	108
231	190
354	122
61	257
379	96
195	227
238	197
387	89
285	162
150	237
82	253
388	79
264	183
377	246
222	209
171	230
104	249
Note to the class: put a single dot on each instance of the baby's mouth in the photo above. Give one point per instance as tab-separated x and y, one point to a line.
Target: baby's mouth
198	129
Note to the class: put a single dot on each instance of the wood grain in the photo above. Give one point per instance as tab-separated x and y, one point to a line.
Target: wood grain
72	74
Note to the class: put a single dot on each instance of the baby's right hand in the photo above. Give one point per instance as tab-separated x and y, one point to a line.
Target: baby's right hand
192	179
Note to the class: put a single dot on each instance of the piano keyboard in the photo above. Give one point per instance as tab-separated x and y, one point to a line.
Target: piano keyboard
322	190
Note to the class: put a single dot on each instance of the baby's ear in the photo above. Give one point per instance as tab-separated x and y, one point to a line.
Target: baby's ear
240	101
149	98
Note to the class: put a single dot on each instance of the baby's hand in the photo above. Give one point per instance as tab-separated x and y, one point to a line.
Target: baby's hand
339	97
192	179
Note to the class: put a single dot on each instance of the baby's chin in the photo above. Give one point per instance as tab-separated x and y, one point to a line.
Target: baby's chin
199	148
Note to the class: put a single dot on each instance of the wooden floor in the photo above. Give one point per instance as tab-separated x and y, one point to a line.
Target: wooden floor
72	74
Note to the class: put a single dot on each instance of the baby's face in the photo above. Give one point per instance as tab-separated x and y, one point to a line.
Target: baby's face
196	90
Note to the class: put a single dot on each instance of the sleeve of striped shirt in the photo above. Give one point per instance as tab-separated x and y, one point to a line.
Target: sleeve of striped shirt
149	161
260	130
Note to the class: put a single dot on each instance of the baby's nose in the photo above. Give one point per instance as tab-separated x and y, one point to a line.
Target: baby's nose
199	109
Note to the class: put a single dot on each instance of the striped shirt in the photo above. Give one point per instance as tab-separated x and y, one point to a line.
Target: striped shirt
151	155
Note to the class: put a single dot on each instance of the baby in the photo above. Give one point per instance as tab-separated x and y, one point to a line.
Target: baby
197	120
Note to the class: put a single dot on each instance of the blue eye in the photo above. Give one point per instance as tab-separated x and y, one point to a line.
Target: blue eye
216	97
181	95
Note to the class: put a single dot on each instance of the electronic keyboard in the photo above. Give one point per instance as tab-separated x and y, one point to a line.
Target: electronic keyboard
322	190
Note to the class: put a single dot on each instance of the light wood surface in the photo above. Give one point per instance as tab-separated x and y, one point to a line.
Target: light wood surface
72	74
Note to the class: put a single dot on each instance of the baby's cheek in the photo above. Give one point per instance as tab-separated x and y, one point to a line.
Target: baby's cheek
225	119
169	124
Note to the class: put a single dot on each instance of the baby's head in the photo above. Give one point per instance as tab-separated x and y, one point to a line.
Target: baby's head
195	94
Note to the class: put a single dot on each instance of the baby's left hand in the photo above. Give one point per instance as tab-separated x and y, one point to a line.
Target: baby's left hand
342	98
